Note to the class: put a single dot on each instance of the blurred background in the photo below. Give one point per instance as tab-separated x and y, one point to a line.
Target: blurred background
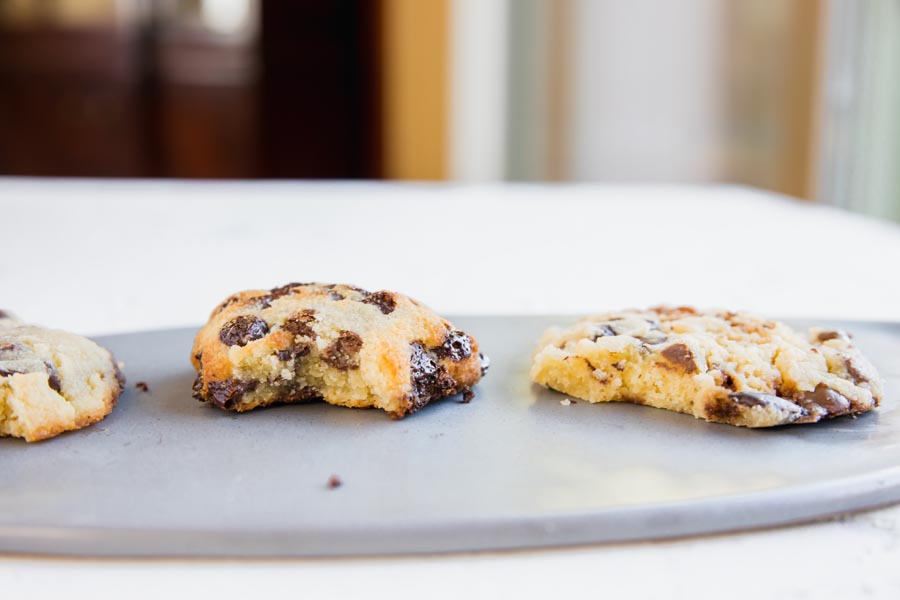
797	96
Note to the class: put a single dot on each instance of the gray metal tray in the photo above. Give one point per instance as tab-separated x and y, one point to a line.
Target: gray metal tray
165	475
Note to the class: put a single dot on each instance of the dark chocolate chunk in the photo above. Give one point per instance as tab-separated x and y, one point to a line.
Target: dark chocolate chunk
298	324
227	394
243	329
603	331
485	363
300	394
343	353
8	372
284	290
681	355
385	301
727	381
752	399
722	410
430	379
53	378
456	346
334	482
826	398
142	385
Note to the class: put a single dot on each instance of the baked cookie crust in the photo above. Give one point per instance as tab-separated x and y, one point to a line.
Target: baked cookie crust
305	342
724	367
52	381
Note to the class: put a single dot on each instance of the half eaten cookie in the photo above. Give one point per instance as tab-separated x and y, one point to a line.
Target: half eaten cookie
310	341
724	367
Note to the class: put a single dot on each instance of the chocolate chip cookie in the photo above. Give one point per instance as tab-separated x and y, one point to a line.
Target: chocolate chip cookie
52	381
724	367
304	342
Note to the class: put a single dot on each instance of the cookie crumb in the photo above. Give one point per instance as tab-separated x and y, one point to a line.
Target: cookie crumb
142	385
565	402
334	482
467	396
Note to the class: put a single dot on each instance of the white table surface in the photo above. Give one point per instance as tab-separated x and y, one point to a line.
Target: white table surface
100	257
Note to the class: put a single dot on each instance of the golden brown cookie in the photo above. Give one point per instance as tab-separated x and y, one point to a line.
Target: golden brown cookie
52	381
724	367
309	341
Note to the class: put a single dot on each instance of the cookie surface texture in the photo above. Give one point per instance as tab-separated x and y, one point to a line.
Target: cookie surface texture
52	381
724	367
305	342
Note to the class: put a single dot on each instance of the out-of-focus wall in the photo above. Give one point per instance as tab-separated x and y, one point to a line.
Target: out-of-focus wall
646	99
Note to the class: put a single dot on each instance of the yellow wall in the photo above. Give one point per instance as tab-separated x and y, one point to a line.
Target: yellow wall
414	87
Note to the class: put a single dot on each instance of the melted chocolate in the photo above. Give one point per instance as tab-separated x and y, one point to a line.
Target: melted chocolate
243	329
343	353
385	301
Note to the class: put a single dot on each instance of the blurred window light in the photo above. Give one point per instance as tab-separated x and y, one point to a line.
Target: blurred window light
226	17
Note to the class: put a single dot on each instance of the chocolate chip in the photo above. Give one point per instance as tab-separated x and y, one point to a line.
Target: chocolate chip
284	290
457	346
485	363
603	331
298	324
854	372
295	351
826	398
824	336
335	296
199	356
243	329
752	399
681	355
430	379
300	394
343	353
334	482
53	378
721	410
727	381
8	372
142	385
197	388
385	301
227	394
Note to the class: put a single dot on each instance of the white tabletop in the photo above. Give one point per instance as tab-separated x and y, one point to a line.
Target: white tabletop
98	257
